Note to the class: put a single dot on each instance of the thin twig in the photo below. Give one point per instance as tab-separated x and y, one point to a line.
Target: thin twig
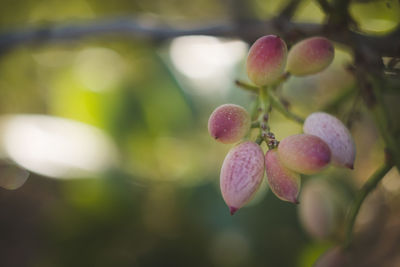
276	103
272	98
334	104
255	124
325	6
290	9
367	188
259	140
247	87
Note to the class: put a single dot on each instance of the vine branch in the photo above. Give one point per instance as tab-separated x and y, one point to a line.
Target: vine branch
282	109
367	188
387	45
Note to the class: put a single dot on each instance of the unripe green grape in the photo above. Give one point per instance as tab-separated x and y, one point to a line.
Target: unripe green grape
283	182
241	174
229	123
266	60
310	56
304	153
336	136
334	257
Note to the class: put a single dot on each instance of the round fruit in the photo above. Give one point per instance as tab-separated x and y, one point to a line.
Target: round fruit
304	153
266	60
241	174
283	182
335	135
229	123
310	56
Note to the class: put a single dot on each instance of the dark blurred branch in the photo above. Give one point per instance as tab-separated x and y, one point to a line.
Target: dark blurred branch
127	27
338	15
372	83
288	11
365	1
368	70
393	62
325	6
240	11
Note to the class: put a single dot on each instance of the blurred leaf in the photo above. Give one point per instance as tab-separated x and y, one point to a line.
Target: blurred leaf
377	17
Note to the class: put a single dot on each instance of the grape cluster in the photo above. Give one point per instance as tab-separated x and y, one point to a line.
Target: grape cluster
325	139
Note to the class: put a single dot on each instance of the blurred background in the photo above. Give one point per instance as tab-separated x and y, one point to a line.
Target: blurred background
105	155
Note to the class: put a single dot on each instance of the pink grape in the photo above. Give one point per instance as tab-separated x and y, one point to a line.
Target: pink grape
310	56
283	182
266	60
335	134
304	153
241	174
229	123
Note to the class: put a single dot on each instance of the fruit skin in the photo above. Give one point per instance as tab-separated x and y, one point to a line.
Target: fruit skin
283	182
310	56
229	123
304	153
241	174
336	136
266	60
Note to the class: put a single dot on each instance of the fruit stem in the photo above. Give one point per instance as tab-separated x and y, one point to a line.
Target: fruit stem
276	103
339	100
247	87
254	109
367	188
254	89
264	100
265	132
265	108
259	140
